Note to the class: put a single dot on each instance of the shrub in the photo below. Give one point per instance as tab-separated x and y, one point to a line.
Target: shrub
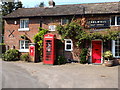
11	55
83	55
61	60
38	38
25	57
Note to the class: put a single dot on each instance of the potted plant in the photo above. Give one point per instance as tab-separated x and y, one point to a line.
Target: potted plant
108	58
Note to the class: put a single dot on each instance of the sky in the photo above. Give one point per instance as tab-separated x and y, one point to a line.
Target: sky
32	3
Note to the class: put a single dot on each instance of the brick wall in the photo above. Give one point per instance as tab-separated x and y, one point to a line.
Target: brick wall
46	21
9	25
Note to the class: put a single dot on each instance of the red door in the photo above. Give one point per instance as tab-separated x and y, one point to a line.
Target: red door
96	51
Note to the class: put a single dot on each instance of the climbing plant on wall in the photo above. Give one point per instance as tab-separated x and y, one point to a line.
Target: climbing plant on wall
76	32
38	38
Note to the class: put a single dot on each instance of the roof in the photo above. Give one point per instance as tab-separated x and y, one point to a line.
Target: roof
60	10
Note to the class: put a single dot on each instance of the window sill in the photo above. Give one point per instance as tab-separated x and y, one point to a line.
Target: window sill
24	50
114	25
51	30
24	29
117	57
68	50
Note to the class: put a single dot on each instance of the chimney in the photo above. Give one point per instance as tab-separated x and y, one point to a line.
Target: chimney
51	3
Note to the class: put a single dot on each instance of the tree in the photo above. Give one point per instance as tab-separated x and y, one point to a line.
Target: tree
8	7
18	5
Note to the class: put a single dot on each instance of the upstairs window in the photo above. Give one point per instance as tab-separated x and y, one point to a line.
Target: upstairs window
64	21
118	20
115	21
24	25
68	45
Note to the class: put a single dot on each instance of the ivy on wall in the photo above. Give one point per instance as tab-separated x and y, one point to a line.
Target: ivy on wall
38	38
76	32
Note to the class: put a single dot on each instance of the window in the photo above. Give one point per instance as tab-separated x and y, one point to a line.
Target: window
115	20
52	27
116	48
24	46
68	45
24	25
64	21
118	20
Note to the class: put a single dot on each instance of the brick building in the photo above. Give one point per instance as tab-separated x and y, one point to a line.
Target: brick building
26	21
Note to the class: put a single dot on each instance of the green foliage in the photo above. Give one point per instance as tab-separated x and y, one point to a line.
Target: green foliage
70	30
83	55
25	57
8	7
75	32
38	38
61	60
108	35
108	55
11	55
2	43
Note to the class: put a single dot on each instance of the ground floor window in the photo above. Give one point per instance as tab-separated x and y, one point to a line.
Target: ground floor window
116	48
68	45
24	46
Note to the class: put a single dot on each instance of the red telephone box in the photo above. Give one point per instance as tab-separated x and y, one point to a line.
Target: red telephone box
49	49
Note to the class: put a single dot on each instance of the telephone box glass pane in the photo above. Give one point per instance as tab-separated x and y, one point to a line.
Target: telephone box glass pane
48	41
68	46
48	46
68	41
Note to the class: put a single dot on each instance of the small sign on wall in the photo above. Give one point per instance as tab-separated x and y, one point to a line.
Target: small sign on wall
98	23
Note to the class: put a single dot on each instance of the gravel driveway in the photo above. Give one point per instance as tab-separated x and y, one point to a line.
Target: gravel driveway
73	75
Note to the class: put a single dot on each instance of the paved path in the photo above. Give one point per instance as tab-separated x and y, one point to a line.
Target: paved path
73	75
16	77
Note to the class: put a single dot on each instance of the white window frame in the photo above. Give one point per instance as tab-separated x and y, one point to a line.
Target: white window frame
23	50
68	44
115	20
113	49
52	27
23	29
67	20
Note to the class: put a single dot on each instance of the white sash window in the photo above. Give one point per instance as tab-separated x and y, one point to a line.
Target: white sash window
116	48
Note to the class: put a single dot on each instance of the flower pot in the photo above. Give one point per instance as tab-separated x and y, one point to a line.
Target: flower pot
108	63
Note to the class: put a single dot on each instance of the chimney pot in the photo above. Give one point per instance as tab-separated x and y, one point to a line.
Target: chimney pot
51	3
